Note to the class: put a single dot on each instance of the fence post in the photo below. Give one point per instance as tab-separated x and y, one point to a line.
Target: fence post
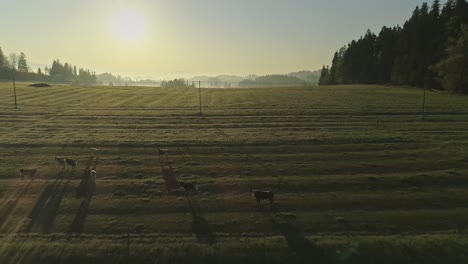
424	103
199	94
14	91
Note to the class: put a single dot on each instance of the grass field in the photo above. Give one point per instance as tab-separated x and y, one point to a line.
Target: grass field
358	175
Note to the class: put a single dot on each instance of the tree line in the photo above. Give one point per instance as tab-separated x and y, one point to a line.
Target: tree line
276	80
16	67
430	50
177	83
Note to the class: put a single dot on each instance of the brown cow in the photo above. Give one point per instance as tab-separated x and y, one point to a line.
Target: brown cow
71	162
189	187
60	161
26	172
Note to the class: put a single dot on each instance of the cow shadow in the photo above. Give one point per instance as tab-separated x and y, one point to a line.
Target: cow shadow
200	226
168	174
47	204
50	209
77	226
83	189
7	207
301	249
86	190
6	210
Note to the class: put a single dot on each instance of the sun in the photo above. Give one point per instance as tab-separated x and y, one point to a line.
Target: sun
129	25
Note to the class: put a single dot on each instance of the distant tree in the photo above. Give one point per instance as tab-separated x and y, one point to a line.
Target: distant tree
435	9
339	65
39	71
22	63
453	71
332	79
175	83
3	60
324	76
385	53
461	10
366	69
214	82
13	61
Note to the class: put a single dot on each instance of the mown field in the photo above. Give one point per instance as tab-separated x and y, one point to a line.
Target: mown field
358	175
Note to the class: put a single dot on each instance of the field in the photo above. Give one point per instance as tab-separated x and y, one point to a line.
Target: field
359	176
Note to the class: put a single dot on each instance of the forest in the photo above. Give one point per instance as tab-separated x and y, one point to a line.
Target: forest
430	51
16	67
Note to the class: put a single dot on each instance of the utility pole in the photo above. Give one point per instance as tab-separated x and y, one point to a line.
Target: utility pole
14	91
199	94
424	103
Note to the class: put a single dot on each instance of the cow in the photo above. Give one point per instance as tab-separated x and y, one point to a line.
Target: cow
163	151
264	195
92	175
26	172
95	151
71	162
189	187
90	185
60	161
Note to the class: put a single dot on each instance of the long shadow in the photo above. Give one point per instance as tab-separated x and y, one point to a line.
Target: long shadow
301	250
16	193
77	225
200	226
50	210
6	210
169	177
85	190
8	205
82	189
47	203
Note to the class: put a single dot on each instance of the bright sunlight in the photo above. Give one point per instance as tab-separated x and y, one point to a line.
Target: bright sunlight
129	25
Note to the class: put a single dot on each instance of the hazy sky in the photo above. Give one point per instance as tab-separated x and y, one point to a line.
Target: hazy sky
191	37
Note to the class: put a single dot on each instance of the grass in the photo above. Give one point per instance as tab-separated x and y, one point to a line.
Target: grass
358	175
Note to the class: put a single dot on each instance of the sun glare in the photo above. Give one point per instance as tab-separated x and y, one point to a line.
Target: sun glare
129	25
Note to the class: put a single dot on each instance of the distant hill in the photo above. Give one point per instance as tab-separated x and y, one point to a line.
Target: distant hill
311	77
301	78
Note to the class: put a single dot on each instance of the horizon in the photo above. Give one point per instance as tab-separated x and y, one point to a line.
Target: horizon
151	40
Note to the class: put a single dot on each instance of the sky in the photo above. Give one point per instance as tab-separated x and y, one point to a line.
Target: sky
183	38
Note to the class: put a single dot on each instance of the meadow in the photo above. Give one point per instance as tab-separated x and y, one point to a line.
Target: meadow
359	175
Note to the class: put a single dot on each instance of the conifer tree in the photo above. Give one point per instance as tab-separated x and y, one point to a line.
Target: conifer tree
22	63
3	60
453	71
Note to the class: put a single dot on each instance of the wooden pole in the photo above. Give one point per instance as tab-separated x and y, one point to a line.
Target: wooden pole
14	91
199	94
424	103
